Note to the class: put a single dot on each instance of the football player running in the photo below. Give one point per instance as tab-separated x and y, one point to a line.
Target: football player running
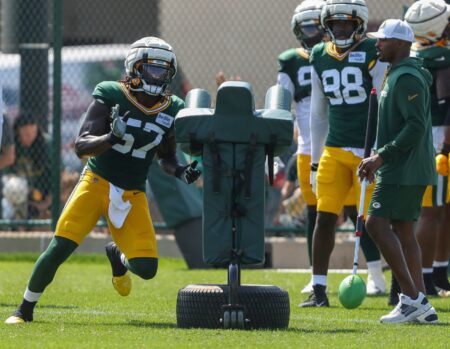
429	20
344	71
125	126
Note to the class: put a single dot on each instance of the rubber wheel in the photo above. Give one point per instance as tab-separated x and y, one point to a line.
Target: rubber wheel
200	306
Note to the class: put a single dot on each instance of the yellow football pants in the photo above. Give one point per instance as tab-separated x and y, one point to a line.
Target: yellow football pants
90	200
336	177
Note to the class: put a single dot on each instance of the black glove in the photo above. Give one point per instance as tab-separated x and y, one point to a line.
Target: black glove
188	174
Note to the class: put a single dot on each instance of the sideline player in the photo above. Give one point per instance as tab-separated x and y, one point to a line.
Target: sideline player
343	73
126	125
430	23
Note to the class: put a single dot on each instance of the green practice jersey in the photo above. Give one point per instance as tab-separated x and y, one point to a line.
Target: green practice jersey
294	74
126	163
295	64
434	58
347	80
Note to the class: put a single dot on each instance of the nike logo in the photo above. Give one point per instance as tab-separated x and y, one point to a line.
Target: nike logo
406	310
136	192
442	58
410	98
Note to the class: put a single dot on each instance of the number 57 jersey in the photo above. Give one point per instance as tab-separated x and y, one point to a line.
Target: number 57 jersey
126	164
342	89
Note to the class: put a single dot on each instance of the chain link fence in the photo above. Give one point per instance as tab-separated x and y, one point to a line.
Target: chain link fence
240	38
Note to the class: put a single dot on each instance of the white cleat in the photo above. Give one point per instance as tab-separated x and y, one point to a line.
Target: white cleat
411	310
308	288
376	284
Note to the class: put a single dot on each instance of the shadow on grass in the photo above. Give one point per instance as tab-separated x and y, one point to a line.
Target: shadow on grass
324	331
439	324
133	323
149	324
48	306
291	329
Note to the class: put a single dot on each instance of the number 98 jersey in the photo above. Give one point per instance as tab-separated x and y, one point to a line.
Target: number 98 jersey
126	163
347	80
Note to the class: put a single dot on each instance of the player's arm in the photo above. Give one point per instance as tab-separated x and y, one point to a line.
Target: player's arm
409	94
318	117
169	162
285	81
95	137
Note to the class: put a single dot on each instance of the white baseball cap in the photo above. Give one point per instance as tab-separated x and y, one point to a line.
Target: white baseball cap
393	29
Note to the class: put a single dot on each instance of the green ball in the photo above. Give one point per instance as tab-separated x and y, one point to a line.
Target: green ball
352	291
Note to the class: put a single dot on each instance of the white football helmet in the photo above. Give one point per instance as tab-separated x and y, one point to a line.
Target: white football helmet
428	19
305	23
345	10
151	65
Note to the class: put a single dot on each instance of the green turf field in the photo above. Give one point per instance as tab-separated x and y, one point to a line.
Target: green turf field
81	310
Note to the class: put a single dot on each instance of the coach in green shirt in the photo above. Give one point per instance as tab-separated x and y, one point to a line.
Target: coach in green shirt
404	166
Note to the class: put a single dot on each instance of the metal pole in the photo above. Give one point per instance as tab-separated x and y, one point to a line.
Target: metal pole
56	149
33	49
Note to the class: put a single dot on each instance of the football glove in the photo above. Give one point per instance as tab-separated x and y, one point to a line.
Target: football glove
442	163
188	174
118	123
313	177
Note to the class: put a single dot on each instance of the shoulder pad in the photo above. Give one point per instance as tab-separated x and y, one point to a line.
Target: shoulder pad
316	51
288	54
105	90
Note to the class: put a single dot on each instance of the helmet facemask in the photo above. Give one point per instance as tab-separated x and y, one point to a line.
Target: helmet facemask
153	76
308	33
354	13
344	38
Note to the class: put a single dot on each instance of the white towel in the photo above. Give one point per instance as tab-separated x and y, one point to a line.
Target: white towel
118	209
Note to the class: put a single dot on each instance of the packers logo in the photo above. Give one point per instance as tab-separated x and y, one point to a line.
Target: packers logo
376	205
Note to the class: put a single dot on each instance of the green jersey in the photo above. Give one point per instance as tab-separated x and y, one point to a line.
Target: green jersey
295	64
435	57
294	74
126	164
404	126
346	81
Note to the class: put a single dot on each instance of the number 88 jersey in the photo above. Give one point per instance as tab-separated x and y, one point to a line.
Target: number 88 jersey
347	80
126	164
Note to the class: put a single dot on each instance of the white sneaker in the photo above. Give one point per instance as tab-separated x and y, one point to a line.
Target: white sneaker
376	284
429	317
308	288
409	310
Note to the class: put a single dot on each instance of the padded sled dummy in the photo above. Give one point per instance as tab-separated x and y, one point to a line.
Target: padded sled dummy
234	140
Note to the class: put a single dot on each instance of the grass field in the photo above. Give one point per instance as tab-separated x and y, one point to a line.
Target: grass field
80	309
